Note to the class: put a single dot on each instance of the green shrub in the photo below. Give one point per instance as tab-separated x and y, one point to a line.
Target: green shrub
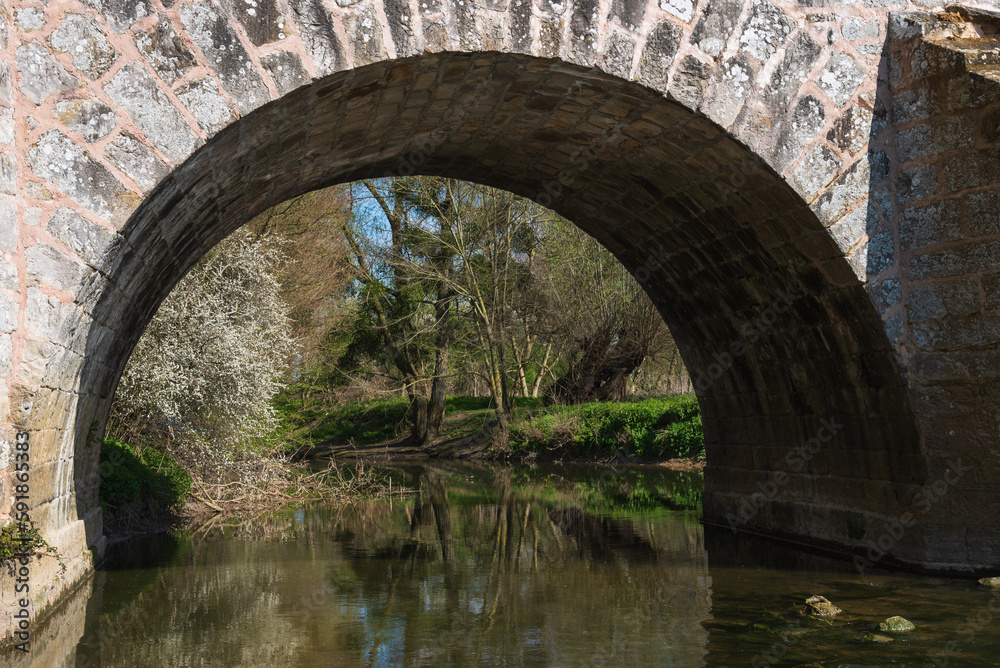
140	477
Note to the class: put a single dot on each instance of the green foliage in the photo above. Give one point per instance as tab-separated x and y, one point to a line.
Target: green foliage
140	477
21	538
663	427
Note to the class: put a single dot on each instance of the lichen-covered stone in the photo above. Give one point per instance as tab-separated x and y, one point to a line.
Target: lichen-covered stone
916	183
682	9
89	117
791	73
840	78
928	225
853	28
318	35
628	13
165	51
851	130
397	13
8	313
896	624
766	30
805	121
618	52
56	158
583	31
202	99
716	25
659	53
286	71
83	40
41	75
135	91
6	89
226	55
820	606
44	314
262	20
121	14
86	239
30	19
816	170
136	161
991	582
366	36
7	126
689	81
734	80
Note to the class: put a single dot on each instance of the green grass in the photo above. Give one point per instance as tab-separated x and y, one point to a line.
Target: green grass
668	427
140	478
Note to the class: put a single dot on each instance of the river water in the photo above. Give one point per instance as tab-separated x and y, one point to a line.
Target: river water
500	566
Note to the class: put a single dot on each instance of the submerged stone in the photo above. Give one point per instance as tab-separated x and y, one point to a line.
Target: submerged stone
877	637
990	582
896	624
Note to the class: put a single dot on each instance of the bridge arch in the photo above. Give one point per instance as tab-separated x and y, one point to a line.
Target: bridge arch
737	156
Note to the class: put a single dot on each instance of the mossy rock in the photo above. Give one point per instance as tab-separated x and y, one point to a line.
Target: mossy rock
896	624
820	607
990	582
877	637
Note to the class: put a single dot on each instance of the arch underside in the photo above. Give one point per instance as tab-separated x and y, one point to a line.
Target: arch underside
773	324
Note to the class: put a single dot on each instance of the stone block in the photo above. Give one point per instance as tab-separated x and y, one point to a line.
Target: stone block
815	171
914	105
41	75
86	239
972	169
165	51
791	73
928	225
881	252
8	313
44	315
841	77
202	98
930	139
262	20
851	131
319	36
89	117
682	9
135	91
121	14
618	52
853	28
8	224
940	300
137	161
365	36
286	70
967	259
716	25
56	158
916	183
765	31
83	40
47	265
400	19
796	132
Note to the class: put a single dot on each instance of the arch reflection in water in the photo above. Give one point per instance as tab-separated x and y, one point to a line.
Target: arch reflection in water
479	566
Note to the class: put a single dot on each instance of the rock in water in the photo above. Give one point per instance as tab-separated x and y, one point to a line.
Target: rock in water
990	582
896	624
877	637
819	606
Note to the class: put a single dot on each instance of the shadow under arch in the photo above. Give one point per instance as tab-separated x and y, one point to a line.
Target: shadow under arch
778	333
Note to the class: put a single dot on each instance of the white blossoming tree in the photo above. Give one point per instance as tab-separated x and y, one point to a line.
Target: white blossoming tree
200	381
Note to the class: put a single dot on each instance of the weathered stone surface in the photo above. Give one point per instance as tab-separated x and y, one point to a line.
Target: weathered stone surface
29	19
165	51
319	36
896	624
8	224
47	265
766	30
789	76
628	13
226	55
138	162
928	225
805	121
850	132
8	313
982	213
86	239
689	81
6	88
849	189
659	53
397	13
56	158
854	28
820	606
120	14
916	183
938	300
262	19
81	37
583	31
816	170
135	91
44	314
89	117
682	9
41	75
840	78
286	71
716	25
7	126
618	52
881	252
8	173
366	32
734	80
202	99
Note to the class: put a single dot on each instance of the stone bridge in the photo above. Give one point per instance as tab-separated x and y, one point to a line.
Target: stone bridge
808	193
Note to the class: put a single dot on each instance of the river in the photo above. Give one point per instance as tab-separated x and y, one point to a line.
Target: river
499	566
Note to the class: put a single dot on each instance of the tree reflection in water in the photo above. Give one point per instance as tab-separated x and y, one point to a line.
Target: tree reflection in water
479	566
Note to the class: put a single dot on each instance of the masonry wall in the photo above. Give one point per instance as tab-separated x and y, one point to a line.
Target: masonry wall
759	166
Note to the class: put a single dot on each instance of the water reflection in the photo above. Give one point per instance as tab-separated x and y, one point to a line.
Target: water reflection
503	566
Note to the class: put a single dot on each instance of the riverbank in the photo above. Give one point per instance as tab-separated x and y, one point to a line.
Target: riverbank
662	431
